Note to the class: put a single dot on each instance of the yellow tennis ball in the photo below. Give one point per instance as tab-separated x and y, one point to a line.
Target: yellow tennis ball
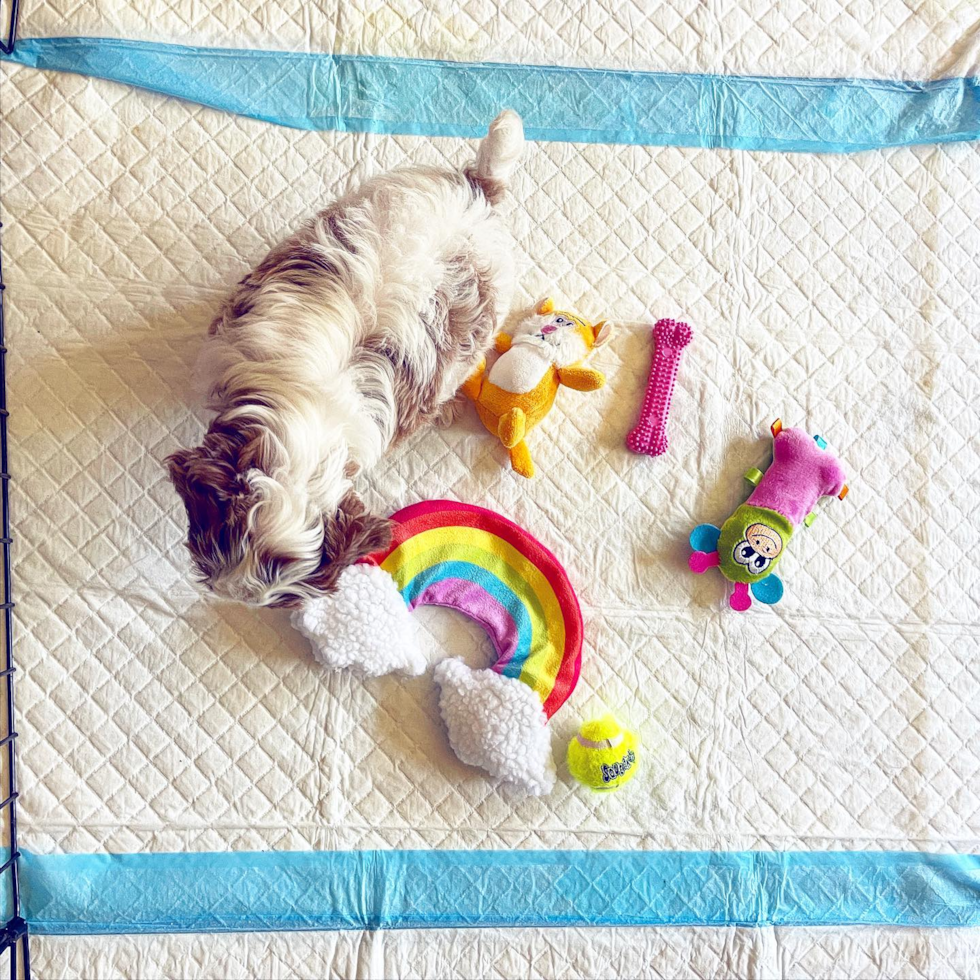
604	755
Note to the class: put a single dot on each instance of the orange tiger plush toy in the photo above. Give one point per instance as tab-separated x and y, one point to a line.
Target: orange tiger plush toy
546	351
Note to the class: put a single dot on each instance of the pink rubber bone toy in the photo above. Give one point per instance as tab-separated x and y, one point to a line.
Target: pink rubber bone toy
650	434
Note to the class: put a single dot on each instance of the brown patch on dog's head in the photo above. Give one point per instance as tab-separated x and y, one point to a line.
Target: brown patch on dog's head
236	546
211	480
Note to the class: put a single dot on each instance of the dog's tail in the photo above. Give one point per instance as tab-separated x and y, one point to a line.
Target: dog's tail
499	153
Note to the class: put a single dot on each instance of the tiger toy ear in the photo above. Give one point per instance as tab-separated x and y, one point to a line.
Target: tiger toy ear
545	306
602	332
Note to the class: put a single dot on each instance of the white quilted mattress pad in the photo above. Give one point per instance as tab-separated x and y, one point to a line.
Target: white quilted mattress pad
838	292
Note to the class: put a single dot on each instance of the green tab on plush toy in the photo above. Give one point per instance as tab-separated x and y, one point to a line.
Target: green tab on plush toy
545	352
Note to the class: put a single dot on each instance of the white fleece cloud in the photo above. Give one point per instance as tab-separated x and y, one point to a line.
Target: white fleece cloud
498	724
365	625
494	722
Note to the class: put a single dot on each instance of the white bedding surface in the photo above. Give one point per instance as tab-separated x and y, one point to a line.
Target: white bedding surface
840	293
885	39
535	954
835	292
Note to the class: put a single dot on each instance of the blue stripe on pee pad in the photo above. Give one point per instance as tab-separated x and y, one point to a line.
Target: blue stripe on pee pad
74	894
442	98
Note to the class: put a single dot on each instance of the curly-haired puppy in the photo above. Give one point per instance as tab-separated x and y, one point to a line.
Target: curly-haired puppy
353	332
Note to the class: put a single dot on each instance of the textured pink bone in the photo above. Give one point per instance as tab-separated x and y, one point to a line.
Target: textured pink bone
650	434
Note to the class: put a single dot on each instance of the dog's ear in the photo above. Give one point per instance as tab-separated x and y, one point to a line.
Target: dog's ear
203	484
349	535
219	464
217	498
353	533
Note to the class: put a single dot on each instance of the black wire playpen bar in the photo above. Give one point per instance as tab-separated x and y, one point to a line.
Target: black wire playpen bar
13	939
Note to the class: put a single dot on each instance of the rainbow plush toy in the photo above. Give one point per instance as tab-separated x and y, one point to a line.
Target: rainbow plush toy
750	543
545	352
472	560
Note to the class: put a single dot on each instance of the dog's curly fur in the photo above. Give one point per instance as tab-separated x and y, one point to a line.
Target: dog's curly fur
350	334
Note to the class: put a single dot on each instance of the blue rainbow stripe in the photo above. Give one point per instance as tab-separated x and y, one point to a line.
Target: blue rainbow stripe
493	586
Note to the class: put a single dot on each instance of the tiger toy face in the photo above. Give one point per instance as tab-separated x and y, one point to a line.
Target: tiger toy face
565	337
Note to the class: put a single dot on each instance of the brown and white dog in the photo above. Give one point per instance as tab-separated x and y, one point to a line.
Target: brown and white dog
350	334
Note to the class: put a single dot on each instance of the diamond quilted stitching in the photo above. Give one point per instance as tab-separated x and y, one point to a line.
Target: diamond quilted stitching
553	954
813	38
154	720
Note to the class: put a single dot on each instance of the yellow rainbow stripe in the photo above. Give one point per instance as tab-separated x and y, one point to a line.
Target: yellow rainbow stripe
490	552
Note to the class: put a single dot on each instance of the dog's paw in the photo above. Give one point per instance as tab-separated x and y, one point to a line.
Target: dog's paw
451	411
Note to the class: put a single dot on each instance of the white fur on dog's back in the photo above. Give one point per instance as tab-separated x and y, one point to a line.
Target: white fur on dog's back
303	352
418	219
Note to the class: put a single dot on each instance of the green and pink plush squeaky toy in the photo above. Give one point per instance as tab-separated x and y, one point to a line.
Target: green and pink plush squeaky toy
750	543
